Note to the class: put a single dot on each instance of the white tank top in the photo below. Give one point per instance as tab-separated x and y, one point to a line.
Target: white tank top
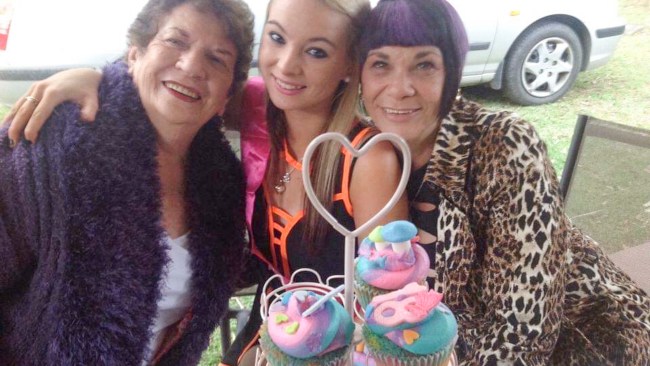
174	298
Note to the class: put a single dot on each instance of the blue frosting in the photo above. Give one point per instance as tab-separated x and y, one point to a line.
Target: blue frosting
398	231
338	317
343	316
436	330
333	326
365	264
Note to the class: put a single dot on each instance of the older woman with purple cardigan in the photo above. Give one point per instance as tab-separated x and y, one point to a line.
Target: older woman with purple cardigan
121	240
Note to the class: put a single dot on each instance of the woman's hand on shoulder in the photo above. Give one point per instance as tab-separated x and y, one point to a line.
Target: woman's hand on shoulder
375	177
28	115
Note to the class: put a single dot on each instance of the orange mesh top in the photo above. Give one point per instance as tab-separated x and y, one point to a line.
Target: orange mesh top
281	223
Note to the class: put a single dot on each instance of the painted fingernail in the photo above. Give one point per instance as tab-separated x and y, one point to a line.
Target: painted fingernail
12	143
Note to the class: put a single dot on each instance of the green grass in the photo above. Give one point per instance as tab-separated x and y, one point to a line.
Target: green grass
610	196
212	355
3	110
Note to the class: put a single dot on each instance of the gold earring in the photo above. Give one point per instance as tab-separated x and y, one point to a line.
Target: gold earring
361	109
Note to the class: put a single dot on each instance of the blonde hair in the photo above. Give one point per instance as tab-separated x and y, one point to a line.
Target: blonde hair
326	161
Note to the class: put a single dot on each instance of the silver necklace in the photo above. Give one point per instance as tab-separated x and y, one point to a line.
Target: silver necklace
286	178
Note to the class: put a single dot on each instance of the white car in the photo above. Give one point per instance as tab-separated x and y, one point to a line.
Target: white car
531	50
534	50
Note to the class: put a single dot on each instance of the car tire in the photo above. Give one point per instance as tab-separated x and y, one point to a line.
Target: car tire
542	64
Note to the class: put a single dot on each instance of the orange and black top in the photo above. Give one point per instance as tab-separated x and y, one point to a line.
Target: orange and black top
279	237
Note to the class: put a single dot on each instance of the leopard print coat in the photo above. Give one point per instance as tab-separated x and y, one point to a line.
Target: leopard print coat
527	287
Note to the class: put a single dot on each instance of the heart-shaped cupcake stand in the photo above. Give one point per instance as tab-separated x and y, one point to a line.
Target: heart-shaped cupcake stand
318	286
350	236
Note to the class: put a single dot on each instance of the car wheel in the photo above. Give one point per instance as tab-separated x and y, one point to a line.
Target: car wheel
542	65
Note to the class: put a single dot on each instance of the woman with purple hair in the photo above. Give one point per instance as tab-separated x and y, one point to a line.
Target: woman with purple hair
526	286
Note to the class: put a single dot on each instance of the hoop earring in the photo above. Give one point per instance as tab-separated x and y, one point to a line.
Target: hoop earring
362	111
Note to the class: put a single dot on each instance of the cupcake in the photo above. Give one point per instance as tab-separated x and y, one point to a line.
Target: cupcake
388	259
410	327
290	338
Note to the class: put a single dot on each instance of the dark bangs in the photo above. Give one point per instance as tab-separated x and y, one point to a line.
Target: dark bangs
399	23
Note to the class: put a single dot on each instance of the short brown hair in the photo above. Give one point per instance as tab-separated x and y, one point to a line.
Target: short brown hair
235	15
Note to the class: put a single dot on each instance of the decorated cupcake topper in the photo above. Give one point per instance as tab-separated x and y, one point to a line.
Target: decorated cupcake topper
398	235
302	326
274	295
411	304
322	300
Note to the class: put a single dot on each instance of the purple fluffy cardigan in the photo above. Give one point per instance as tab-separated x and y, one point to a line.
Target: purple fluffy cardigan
80	236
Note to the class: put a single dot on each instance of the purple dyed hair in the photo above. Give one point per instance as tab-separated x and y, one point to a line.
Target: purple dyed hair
409	23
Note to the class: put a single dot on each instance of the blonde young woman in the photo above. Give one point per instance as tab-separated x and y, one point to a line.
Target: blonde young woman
308	61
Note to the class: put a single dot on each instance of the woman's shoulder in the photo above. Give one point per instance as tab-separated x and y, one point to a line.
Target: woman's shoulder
471	112
379	162
121	123
117	91
255	86
381	152
252	121
254	100
492	126
120	107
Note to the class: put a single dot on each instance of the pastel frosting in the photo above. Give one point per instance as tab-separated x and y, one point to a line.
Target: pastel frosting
329	328
389	258
412	318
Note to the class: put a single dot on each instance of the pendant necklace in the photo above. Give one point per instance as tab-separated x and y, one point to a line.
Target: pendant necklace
286	177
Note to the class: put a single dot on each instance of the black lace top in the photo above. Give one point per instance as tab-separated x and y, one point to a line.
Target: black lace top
423	210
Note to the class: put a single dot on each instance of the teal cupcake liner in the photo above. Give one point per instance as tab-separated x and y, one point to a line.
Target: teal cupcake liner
440	358
366	292
388	353
275	357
